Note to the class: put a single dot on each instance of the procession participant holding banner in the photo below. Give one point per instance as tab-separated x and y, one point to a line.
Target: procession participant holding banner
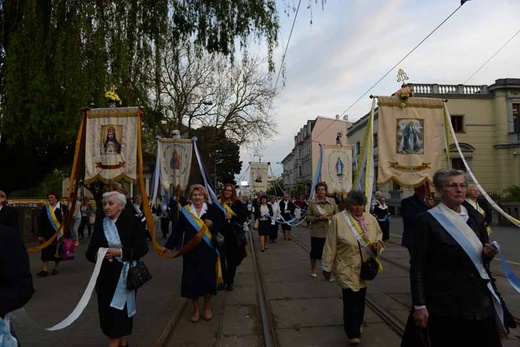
51	219
452	292
126	242
320	212
411	207
201	269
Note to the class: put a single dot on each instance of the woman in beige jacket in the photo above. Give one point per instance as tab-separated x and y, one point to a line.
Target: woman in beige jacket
341	254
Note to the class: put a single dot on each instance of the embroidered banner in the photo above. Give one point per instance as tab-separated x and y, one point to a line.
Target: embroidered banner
111	144
258	177
411	141
175	163
336	168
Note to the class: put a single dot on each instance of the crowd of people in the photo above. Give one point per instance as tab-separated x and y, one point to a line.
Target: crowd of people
210	237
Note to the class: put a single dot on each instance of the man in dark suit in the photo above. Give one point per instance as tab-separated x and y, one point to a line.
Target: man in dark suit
16	284
410	208
8	215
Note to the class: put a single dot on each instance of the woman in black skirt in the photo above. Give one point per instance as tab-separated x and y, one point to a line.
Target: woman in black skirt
125	241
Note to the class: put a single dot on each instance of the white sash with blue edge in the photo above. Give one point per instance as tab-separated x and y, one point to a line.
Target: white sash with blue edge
357	235
122	295
468	240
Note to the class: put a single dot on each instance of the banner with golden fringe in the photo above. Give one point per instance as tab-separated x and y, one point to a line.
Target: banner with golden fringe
111	144
175	159
336	168
258	173
411	140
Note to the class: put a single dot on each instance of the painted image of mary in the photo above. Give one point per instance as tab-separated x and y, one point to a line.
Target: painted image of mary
111	145
410	136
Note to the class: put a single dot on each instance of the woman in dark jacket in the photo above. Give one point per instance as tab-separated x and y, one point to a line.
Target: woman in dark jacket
199	275
53	215
263	214
234	220
125	242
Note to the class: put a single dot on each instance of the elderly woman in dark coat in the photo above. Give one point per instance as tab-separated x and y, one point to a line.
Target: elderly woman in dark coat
125	242
198	221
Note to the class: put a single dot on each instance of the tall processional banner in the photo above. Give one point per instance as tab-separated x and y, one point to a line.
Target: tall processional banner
111	144
411	139
336	168
258	177
175	156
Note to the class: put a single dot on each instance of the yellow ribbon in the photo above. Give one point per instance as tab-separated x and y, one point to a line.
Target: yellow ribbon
356	226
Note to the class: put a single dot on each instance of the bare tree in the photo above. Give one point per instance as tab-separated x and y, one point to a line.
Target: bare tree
200	89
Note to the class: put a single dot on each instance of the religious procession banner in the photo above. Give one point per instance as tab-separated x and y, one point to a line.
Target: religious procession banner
111	144
411	139
175	156
258	173
336	169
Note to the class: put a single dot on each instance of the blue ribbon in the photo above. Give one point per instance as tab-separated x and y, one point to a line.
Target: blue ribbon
122	295
197	227
6	339
510	274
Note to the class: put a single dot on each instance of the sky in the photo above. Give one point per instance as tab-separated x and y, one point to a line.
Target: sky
351	44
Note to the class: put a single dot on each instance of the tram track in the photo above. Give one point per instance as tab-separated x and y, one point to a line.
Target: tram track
266	317
386	315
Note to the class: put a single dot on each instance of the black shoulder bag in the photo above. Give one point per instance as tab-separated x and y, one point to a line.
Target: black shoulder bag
369	268
138	274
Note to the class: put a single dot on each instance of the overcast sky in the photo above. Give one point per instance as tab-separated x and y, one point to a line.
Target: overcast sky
351	44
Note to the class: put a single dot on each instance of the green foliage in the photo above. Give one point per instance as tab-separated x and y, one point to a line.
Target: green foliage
59	56
511	193
220	156
276	188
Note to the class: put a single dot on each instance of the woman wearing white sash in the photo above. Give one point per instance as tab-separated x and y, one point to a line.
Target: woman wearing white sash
125	241
341	254
450	286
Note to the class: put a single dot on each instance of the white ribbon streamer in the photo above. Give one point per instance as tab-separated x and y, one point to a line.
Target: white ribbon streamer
85	298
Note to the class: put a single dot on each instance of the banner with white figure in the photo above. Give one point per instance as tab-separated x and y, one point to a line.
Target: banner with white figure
258	177
411	139
111	144
336	169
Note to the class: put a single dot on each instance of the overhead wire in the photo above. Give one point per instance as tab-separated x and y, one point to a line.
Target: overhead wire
402	59
490	58
399	62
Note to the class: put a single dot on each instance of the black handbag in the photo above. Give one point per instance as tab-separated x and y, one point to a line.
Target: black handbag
138	274
219	240
240	238
369	268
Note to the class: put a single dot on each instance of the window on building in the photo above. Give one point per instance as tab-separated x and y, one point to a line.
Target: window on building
458	123
376	140
299	171
458	164
358	147
516	118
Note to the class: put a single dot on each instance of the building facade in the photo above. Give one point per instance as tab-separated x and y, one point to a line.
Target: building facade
486	121
299	166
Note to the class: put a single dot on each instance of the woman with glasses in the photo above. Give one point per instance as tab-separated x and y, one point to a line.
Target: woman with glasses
234	219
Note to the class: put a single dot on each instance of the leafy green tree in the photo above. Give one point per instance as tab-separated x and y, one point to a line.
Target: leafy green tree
58	56
220	155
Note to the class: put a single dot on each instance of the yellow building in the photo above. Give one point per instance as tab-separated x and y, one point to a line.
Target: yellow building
486	120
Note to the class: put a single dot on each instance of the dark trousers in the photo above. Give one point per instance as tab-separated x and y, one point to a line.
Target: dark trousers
81	229
353	311
165	224
273	233
452	332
